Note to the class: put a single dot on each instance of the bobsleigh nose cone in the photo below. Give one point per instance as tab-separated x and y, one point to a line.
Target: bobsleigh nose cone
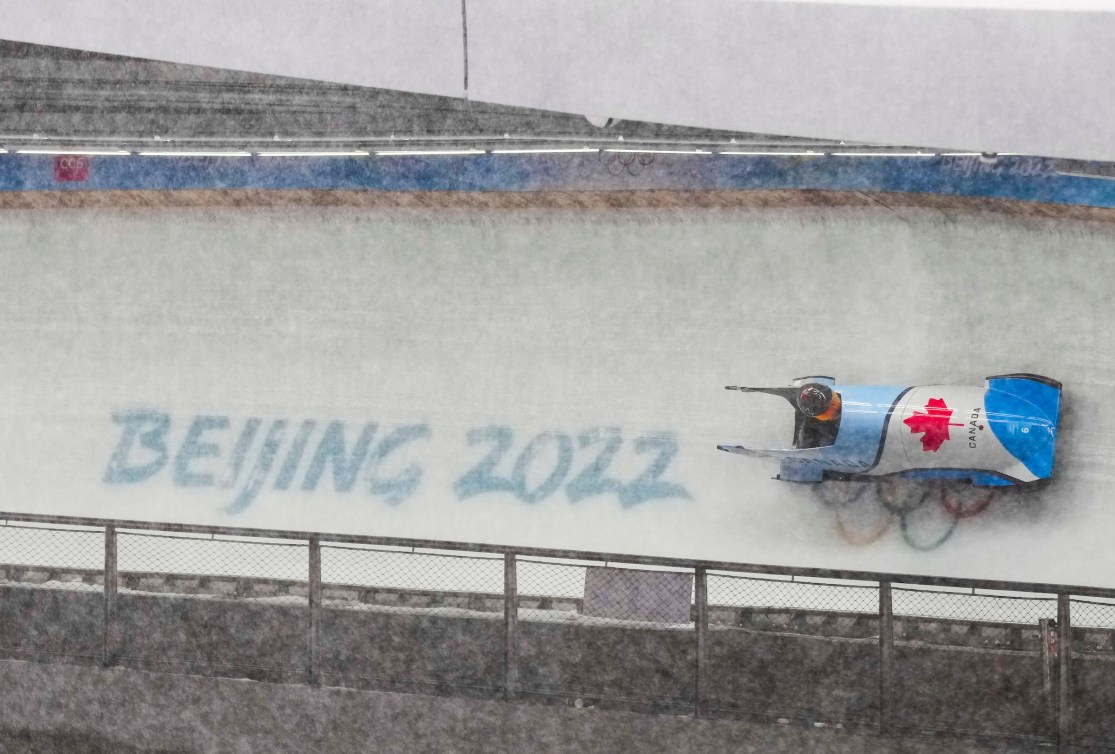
1029	440
1030	432
1023	411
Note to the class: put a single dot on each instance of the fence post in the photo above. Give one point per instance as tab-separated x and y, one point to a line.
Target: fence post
886	659
701	619
108	650
510	628
1046	629
314	594
1064	674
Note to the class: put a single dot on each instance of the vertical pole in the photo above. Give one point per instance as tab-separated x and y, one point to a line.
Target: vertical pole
701	619
108	650
510	628
1045	626
886	659
1064	679
314	593
464	40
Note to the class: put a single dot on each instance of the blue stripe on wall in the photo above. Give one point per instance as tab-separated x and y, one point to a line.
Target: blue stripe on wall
1019	178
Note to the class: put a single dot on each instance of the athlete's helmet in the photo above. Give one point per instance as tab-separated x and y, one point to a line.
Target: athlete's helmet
814	398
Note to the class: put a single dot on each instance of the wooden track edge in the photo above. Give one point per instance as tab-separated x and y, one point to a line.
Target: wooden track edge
589	200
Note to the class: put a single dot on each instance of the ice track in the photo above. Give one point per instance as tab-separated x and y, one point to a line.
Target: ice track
556	323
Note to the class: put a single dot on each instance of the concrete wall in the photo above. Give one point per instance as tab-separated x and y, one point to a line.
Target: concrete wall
76	709
1094	697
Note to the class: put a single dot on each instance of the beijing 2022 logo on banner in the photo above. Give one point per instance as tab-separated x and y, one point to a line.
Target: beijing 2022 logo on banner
249	455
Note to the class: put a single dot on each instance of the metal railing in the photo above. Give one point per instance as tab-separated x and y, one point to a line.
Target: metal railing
884	653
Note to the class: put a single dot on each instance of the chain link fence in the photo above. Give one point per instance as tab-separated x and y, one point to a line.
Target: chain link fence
968	607
209	560
51	602
667	638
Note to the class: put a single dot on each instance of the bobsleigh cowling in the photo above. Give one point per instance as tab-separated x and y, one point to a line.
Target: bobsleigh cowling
1001	434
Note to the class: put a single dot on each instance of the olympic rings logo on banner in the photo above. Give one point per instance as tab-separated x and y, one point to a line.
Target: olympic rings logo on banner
632	163
71	167
70	162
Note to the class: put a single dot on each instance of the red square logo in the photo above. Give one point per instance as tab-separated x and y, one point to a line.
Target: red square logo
71	167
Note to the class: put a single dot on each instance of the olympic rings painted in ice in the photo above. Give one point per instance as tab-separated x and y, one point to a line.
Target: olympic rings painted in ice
906	502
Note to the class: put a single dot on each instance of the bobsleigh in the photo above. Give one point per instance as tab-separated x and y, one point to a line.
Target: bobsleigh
1001	434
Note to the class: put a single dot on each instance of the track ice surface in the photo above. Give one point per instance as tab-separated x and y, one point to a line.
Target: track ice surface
556	321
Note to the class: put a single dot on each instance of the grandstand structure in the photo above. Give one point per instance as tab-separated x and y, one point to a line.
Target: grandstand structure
59	98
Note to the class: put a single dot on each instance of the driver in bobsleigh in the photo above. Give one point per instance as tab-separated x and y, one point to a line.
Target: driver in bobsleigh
818	415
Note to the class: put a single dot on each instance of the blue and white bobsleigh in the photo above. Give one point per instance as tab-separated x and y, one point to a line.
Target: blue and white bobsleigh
997	435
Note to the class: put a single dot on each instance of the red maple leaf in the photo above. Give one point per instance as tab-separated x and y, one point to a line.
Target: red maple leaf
934	423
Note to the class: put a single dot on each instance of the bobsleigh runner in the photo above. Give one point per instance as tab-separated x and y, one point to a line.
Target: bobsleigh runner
1000	435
